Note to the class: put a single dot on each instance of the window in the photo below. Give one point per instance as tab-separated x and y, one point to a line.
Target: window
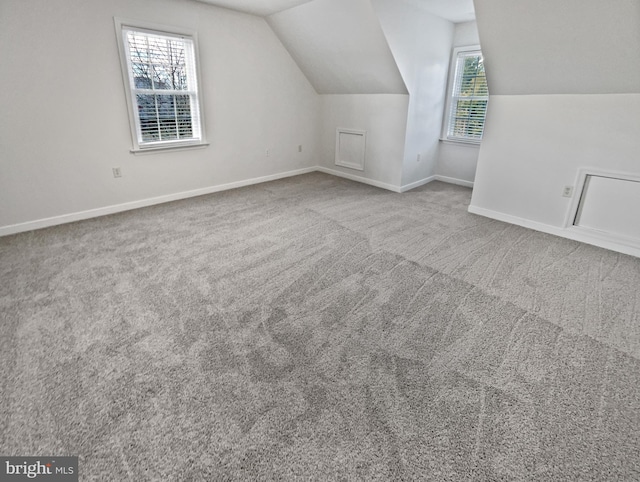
161	81
469	95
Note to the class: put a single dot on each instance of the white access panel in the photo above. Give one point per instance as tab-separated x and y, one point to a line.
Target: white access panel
610	205
350	148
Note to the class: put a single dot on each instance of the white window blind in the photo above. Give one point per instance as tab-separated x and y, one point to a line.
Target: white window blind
469	97
163	87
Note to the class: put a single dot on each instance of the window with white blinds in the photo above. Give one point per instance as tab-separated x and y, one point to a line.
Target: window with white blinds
162	88
469	97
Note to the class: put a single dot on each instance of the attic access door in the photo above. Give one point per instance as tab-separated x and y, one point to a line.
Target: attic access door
609	205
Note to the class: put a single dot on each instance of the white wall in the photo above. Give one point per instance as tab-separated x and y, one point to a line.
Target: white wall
466	33
421	45
563	79
384	118
457	162
65	124
342	49
534	146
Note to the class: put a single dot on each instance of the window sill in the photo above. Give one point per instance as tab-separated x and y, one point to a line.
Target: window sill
461	142
178	147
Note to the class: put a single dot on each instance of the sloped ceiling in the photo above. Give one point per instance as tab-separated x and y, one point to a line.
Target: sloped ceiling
560	47
339	44
455	11
340	47
257	7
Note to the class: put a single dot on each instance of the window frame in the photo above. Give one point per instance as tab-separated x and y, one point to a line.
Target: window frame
445	135
134	120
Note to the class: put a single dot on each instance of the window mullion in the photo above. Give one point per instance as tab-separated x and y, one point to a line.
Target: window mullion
155	100
175	116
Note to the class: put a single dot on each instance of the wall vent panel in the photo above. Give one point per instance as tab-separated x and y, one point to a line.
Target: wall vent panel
350	148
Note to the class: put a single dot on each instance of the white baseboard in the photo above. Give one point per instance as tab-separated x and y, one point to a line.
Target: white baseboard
421	182
391	187
453	180
364	180
117	208
611	242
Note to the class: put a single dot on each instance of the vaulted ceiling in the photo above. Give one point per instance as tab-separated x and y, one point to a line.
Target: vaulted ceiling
262	8
340	44
452	10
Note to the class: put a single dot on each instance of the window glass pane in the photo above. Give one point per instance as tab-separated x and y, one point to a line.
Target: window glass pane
158	50
148	118
183	110
469	118
167	117
480	86
171	77
141	76
138	47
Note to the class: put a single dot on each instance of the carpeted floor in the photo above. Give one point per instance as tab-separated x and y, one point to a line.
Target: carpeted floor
319	329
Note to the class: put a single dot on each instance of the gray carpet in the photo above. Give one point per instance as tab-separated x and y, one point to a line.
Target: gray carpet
319	329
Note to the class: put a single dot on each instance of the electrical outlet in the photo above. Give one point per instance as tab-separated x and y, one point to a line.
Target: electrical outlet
117	172
299	147
418	159
567	191
268	153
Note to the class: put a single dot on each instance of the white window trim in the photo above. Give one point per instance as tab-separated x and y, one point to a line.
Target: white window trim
121	23
447	108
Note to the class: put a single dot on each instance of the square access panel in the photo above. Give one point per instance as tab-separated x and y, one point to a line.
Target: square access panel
350	148
608	204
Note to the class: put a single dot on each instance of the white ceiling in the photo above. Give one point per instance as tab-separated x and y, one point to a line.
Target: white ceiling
262	8
452	10
455	11
340	47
